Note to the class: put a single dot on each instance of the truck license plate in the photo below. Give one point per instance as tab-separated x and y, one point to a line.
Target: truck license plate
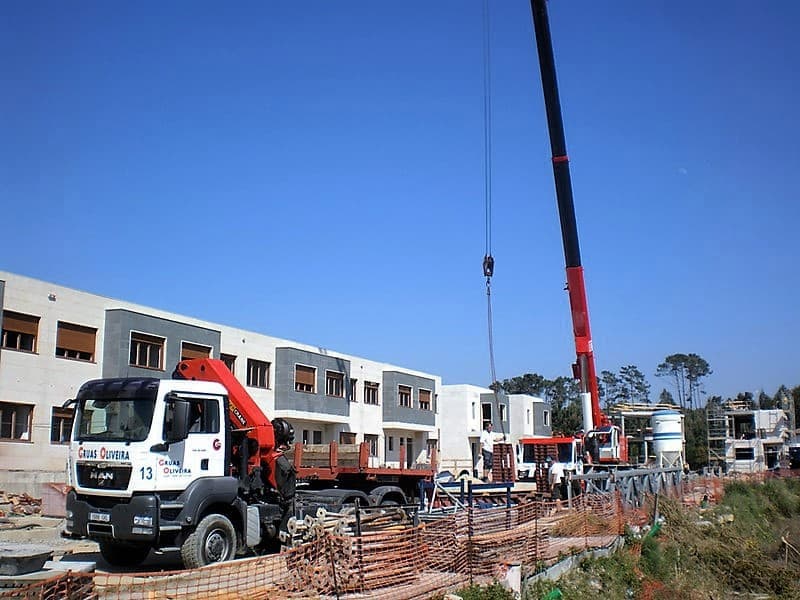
101	517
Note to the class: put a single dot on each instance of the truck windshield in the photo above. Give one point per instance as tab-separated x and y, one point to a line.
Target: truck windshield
114	420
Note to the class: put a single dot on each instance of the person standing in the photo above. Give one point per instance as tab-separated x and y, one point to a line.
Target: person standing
556	477
487	450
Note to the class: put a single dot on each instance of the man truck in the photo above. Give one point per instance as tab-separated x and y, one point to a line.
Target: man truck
192	464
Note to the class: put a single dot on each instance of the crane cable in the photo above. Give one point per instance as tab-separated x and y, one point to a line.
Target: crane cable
488	259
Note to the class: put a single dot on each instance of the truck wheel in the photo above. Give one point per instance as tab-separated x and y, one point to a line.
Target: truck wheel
119	554
214	540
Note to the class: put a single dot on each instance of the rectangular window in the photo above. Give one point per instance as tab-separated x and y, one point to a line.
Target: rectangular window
61	424
19	331
347	437
404	395
353	388
257	373
147	351
546	418
317	437
229	360
204	416
334	384
190	351
503	413
370	392
75	341
372	440
305	379
305	436
15	421
424	399
390	443
430	446
486	413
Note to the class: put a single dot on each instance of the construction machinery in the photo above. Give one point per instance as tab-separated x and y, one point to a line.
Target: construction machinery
192	464
602	438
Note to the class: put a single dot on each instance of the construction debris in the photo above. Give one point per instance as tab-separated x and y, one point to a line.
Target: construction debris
19	504
347	523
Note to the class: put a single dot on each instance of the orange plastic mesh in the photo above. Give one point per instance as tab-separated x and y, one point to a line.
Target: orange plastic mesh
439	555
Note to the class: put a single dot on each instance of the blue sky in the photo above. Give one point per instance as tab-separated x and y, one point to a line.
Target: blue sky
314	170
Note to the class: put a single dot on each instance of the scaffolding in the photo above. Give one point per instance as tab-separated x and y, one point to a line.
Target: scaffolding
717	427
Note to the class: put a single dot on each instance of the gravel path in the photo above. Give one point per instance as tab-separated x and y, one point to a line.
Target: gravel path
46	531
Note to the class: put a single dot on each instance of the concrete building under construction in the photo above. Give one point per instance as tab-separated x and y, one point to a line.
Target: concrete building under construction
745	439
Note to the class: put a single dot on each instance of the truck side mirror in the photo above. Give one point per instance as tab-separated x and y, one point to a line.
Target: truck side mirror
176	426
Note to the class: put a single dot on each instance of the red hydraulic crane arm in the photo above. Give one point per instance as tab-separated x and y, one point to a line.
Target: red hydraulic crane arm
243	412
585	367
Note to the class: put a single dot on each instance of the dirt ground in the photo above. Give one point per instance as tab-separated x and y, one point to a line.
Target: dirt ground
46	531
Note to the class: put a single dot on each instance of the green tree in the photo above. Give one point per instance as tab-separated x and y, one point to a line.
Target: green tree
609	388
714	403
532	384
562	393
564	396
665	397
696	369
635	385
695	429
795	394
766	402
686	373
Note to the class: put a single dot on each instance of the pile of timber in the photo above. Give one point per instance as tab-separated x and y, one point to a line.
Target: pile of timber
319	455
19	504
346	523
526	543
348	563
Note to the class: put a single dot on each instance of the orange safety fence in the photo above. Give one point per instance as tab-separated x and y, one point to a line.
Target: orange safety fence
439	555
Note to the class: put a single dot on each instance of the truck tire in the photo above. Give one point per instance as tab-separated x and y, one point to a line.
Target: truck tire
212	541
120	554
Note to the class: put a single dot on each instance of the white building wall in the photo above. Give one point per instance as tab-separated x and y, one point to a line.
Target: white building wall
772	423
367	418
42	378
460	425
520	408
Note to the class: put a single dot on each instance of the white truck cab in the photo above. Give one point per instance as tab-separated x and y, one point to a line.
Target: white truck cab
148	460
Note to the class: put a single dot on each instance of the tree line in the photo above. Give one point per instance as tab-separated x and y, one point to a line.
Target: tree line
685	375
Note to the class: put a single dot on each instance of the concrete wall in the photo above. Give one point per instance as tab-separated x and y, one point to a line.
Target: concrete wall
459	440
496	401
393	412
287	398
120	323
527	417
41	379
366	418
2	293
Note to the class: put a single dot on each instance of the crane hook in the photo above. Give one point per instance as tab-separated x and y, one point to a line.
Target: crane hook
488	265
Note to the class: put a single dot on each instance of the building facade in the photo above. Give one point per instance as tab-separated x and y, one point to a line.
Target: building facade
55	338
469	407
745	439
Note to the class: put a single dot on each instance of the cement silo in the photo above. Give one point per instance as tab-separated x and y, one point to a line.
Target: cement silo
668	440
